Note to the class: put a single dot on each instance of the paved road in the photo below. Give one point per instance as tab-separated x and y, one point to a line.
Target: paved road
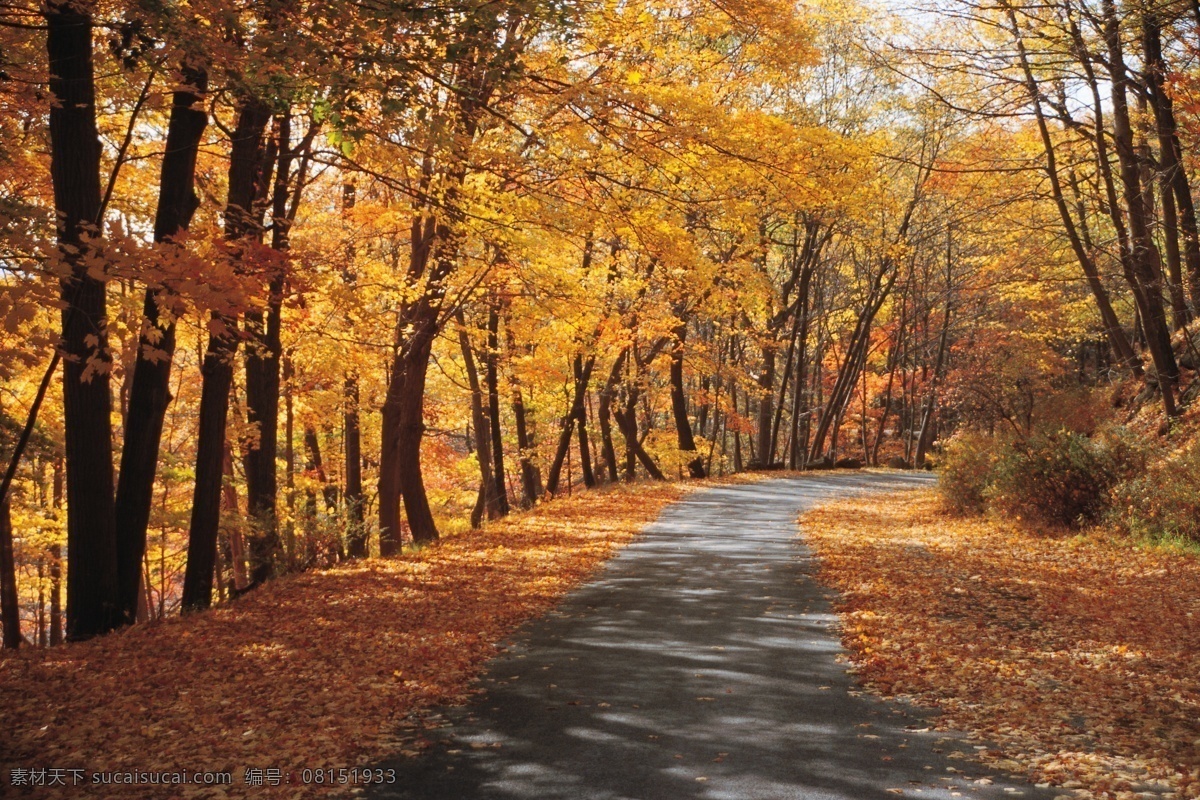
702	663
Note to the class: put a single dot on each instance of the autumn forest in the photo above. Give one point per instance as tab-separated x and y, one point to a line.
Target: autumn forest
288	285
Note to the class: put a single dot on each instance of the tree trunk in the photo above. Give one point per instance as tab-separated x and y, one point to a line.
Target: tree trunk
150	392
317	466
585	450
411	431
1112	325
356	541
493	390
583	375
679	408
245	179
1179	213
93	594
531	479
10	612
482	431
56	615
604	413
1147	287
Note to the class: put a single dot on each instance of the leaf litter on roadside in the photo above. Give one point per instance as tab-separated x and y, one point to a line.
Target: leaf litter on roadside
1074	658
315	671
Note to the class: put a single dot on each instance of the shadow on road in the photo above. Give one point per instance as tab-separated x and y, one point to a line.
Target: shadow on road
702	663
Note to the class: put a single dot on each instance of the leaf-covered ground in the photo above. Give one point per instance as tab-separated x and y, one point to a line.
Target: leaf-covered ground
316	671
1076	659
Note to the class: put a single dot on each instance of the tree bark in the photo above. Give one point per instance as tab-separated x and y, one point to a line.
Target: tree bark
245	179
679	409
93	595
491	375
487	503
1147	287
1179	212
150	392
531	479
356	542
10	611
583	374
1112	324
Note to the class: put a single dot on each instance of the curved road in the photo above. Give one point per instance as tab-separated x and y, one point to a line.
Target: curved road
701	663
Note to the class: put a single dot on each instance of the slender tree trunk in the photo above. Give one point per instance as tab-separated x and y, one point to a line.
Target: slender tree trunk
1145	284
856	353
56	615
531	479
356	541
482	432
231	511
604	414
492	377
766	390
679	408
583	375
217	371
1112	325
10	611
150	392
289	462
317	467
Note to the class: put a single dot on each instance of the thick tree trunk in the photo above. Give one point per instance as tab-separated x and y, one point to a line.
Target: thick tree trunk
411	431
150	393
245	178
93	595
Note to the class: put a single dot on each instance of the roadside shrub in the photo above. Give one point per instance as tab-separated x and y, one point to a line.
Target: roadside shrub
1060	478
1162	502
965	472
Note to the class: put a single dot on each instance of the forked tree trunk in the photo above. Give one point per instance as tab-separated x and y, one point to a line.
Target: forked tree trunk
150	393
217	370
486	503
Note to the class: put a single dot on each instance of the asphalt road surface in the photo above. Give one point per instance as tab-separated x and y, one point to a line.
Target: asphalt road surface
702	662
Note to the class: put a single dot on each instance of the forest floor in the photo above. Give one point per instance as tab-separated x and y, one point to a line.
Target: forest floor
312	672
1073	658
